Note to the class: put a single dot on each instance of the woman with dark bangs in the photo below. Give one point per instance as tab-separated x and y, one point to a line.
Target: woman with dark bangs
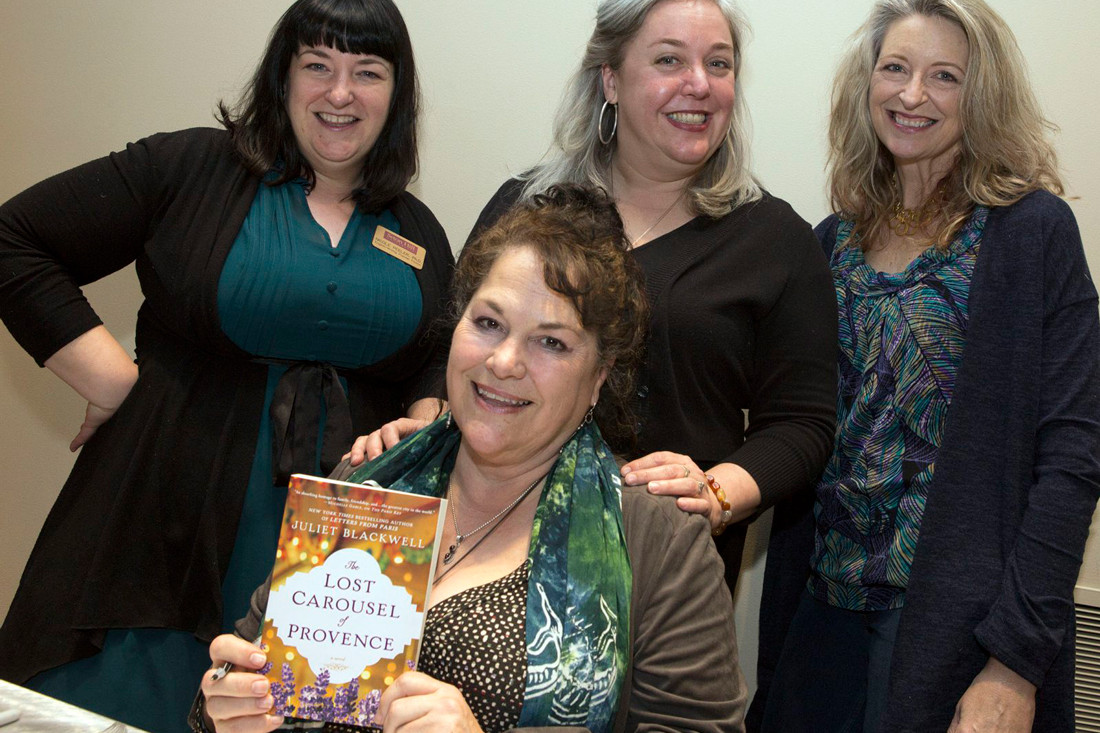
272	332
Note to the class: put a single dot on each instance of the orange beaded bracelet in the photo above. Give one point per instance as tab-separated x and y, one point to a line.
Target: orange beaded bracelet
720	495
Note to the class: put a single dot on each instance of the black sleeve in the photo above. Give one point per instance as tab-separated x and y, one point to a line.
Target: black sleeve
420	224
69	230
826	234
792	413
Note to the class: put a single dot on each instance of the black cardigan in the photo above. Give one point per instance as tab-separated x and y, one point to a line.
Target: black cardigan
1017	480
141	533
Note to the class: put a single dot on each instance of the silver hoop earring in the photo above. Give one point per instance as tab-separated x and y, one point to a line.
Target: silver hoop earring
614	122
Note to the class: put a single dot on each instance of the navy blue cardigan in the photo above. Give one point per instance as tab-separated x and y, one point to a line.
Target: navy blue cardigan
1017	479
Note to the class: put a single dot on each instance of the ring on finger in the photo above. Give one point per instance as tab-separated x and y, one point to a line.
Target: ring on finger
699	487
686	471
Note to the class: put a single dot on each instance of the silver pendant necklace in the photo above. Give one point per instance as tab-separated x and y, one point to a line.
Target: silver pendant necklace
501	516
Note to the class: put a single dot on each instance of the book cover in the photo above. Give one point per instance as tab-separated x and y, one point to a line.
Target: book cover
349	589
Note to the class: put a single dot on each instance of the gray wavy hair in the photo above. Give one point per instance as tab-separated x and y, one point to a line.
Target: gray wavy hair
577	155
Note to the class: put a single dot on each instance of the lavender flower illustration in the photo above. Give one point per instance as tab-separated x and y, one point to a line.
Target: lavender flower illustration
283	691
315	701
344	703
368	707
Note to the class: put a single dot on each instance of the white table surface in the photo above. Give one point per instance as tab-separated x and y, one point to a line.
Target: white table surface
41	714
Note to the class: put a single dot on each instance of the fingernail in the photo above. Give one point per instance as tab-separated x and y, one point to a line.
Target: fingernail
655	485
257	659
265	703
626	470
260	687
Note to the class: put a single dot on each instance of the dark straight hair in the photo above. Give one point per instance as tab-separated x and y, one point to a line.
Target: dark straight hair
260	125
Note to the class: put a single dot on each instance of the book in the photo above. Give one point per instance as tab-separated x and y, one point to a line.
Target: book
349	588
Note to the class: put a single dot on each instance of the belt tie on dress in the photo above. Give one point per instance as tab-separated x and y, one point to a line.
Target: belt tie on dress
296	420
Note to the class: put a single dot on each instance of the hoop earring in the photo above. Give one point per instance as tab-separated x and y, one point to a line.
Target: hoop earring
588	416
614	122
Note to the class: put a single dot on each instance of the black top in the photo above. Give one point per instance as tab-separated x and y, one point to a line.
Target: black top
477	641
743	319
141	533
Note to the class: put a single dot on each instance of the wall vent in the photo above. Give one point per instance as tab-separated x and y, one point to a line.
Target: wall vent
1087	684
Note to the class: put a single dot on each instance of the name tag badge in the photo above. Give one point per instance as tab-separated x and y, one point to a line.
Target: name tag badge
397	246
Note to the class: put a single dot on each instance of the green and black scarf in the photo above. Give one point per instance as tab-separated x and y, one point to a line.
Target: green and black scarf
578	592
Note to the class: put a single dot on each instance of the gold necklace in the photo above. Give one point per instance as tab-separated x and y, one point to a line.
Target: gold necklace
905	221
666	212
660	218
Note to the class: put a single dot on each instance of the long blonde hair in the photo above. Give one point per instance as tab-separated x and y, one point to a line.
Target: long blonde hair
1005	152
577	155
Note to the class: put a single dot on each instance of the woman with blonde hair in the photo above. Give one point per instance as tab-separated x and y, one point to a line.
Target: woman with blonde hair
950	523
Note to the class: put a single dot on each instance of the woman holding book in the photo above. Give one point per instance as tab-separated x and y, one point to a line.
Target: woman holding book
272	330
606	605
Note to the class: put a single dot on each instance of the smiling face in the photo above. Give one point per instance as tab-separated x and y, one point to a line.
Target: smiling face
338	103
674	89
522	370
915	91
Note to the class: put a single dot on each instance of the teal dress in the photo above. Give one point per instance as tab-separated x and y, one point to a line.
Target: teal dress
285	295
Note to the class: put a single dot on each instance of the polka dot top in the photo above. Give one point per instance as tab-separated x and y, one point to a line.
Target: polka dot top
476	641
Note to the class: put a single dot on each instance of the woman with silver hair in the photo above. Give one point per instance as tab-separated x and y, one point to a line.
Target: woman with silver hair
951	520
743	315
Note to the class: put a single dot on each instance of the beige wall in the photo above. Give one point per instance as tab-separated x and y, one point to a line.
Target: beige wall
83	78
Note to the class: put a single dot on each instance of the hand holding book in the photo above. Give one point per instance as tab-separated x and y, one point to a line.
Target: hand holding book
415	699
240	694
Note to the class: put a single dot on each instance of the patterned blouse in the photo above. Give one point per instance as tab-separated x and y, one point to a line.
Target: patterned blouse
901	342
476	640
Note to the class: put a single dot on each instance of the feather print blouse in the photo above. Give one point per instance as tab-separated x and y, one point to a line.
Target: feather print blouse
901	342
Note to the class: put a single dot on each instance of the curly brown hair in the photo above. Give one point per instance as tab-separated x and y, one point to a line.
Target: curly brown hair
578	235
